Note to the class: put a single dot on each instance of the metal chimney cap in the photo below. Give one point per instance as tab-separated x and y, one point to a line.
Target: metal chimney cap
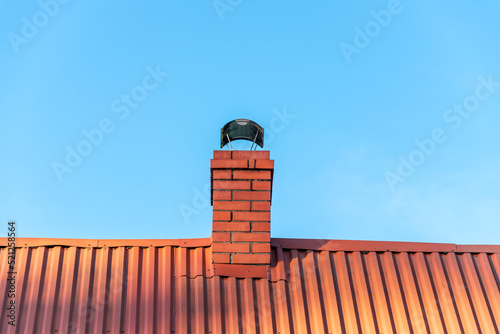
242	128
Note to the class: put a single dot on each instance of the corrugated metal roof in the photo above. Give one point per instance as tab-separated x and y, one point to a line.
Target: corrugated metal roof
313	286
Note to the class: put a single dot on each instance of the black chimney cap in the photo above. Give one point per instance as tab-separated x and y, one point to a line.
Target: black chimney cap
242	129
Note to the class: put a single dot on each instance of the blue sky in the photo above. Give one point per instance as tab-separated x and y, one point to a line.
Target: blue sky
382	116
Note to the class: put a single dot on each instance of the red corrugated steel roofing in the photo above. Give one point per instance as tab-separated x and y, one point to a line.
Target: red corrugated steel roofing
313	286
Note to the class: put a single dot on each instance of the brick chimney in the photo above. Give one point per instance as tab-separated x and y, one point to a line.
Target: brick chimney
241	198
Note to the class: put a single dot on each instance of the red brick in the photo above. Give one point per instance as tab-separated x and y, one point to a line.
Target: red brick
221	236
261	185
251	215
220	247
221	195
264	164
221	258
226	226
252	174
251	163
242	185
221	174
230	205
261	248
252	258
222	154
261	227
228	163
240	271
222	215
261	206
263	237
251	155
252	195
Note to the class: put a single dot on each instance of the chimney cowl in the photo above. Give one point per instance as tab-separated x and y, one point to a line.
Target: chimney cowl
242	128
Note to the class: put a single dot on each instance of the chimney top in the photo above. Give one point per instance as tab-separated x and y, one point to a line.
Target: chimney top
242	128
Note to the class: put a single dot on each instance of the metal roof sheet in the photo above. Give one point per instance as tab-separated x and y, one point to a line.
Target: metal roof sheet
313	286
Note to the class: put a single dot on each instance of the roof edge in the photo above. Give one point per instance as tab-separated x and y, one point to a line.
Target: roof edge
380	246
286	243
36	242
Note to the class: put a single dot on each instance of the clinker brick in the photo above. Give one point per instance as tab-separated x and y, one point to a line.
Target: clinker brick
221	195
229	226
220	258
261	206
252	174
228	163
222	215
251	163
252	258
261	185
222	174
221	236
230	205
252	195
251	215
258	237
261	248
264	164
230	247
261	227
243	185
